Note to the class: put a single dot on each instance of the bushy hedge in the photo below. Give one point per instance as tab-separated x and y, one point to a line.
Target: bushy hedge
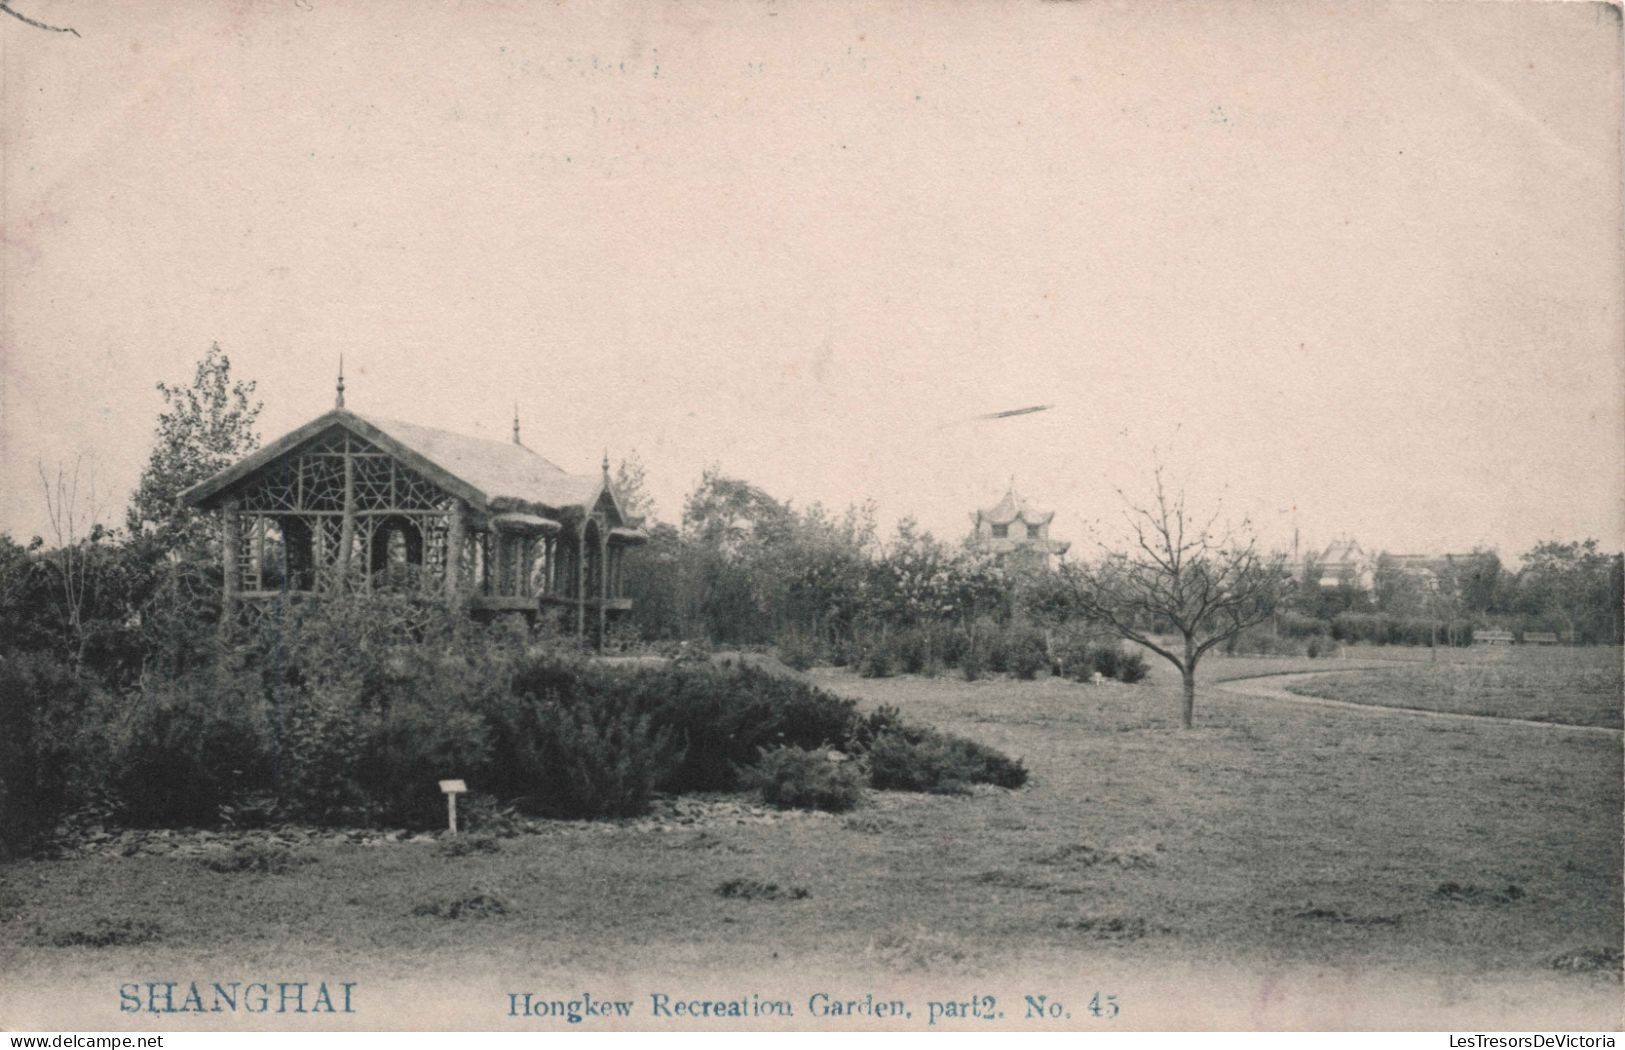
342	722
1360	628
1082	659
1018	649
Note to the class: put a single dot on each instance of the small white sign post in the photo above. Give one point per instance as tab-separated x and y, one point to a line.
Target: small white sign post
452	788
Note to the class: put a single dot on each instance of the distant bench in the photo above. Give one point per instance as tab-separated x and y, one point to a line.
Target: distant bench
1492	638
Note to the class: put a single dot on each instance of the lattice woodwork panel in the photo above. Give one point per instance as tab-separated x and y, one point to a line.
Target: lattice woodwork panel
313	479
276	488
373	475
414	492
321	482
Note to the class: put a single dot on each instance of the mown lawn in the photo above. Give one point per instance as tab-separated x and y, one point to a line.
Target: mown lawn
1276	866
1580	686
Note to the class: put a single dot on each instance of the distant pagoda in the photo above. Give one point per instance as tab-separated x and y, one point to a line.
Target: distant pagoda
1016	533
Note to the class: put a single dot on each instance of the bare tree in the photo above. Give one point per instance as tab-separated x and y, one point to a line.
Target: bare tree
75	518
1206	583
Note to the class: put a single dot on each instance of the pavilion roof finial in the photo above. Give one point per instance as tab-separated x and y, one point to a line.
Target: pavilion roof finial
516	440
606	464
338	401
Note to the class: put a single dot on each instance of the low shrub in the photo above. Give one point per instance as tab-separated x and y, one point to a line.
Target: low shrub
956	644
973	662
1028	656
874	661
603	759
1019	650
480	904
798	650
1107	660
725	716
757	890
484	815
926	760
883	719
795	778
1131	668
1321	647
468	845
914	650
256	859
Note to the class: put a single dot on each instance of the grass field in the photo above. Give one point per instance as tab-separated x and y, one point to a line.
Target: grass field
1573	686
1277	866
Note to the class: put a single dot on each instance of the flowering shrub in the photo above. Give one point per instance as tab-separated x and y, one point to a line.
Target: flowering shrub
795	778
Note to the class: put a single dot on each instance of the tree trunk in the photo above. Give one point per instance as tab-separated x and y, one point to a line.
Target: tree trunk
1188	708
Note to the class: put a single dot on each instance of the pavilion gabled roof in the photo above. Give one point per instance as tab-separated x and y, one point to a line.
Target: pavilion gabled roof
1012	507
490	475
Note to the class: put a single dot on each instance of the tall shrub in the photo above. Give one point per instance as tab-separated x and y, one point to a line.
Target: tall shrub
178	750
42	706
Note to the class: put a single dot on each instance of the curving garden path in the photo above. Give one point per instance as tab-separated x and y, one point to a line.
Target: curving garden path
1276	687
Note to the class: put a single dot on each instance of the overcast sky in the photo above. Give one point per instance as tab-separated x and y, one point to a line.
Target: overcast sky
1351	267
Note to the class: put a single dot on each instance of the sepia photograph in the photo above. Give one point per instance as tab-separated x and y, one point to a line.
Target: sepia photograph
1004	516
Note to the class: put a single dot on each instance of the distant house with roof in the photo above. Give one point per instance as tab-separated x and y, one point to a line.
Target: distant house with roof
352	503
1016	533
1343	562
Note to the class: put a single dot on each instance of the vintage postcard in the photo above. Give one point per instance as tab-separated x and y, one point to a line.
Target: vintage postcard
844	515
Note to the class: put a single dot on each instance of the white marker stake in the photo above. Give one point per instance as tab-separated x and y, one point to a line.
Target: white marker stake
452	788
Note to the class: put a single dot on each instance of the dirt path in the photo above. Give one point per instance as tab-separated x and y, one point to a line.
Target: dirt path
1277	687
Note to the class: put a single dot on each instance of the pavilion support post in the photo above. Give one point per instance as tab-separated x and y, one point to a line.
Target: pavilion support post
500	567
603	586
231	546
347	530
581	581
259	553
454	556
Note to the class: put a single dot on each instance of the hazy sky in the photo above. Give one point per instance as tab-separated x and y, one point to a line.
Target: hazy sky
1358	260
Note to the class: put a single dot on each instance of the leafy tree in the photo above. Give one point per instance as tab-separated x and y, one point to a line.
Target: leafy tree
632	489
728	524
812	574
1399	592
204	428
1206	585
1573	583
730	515
1479	579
